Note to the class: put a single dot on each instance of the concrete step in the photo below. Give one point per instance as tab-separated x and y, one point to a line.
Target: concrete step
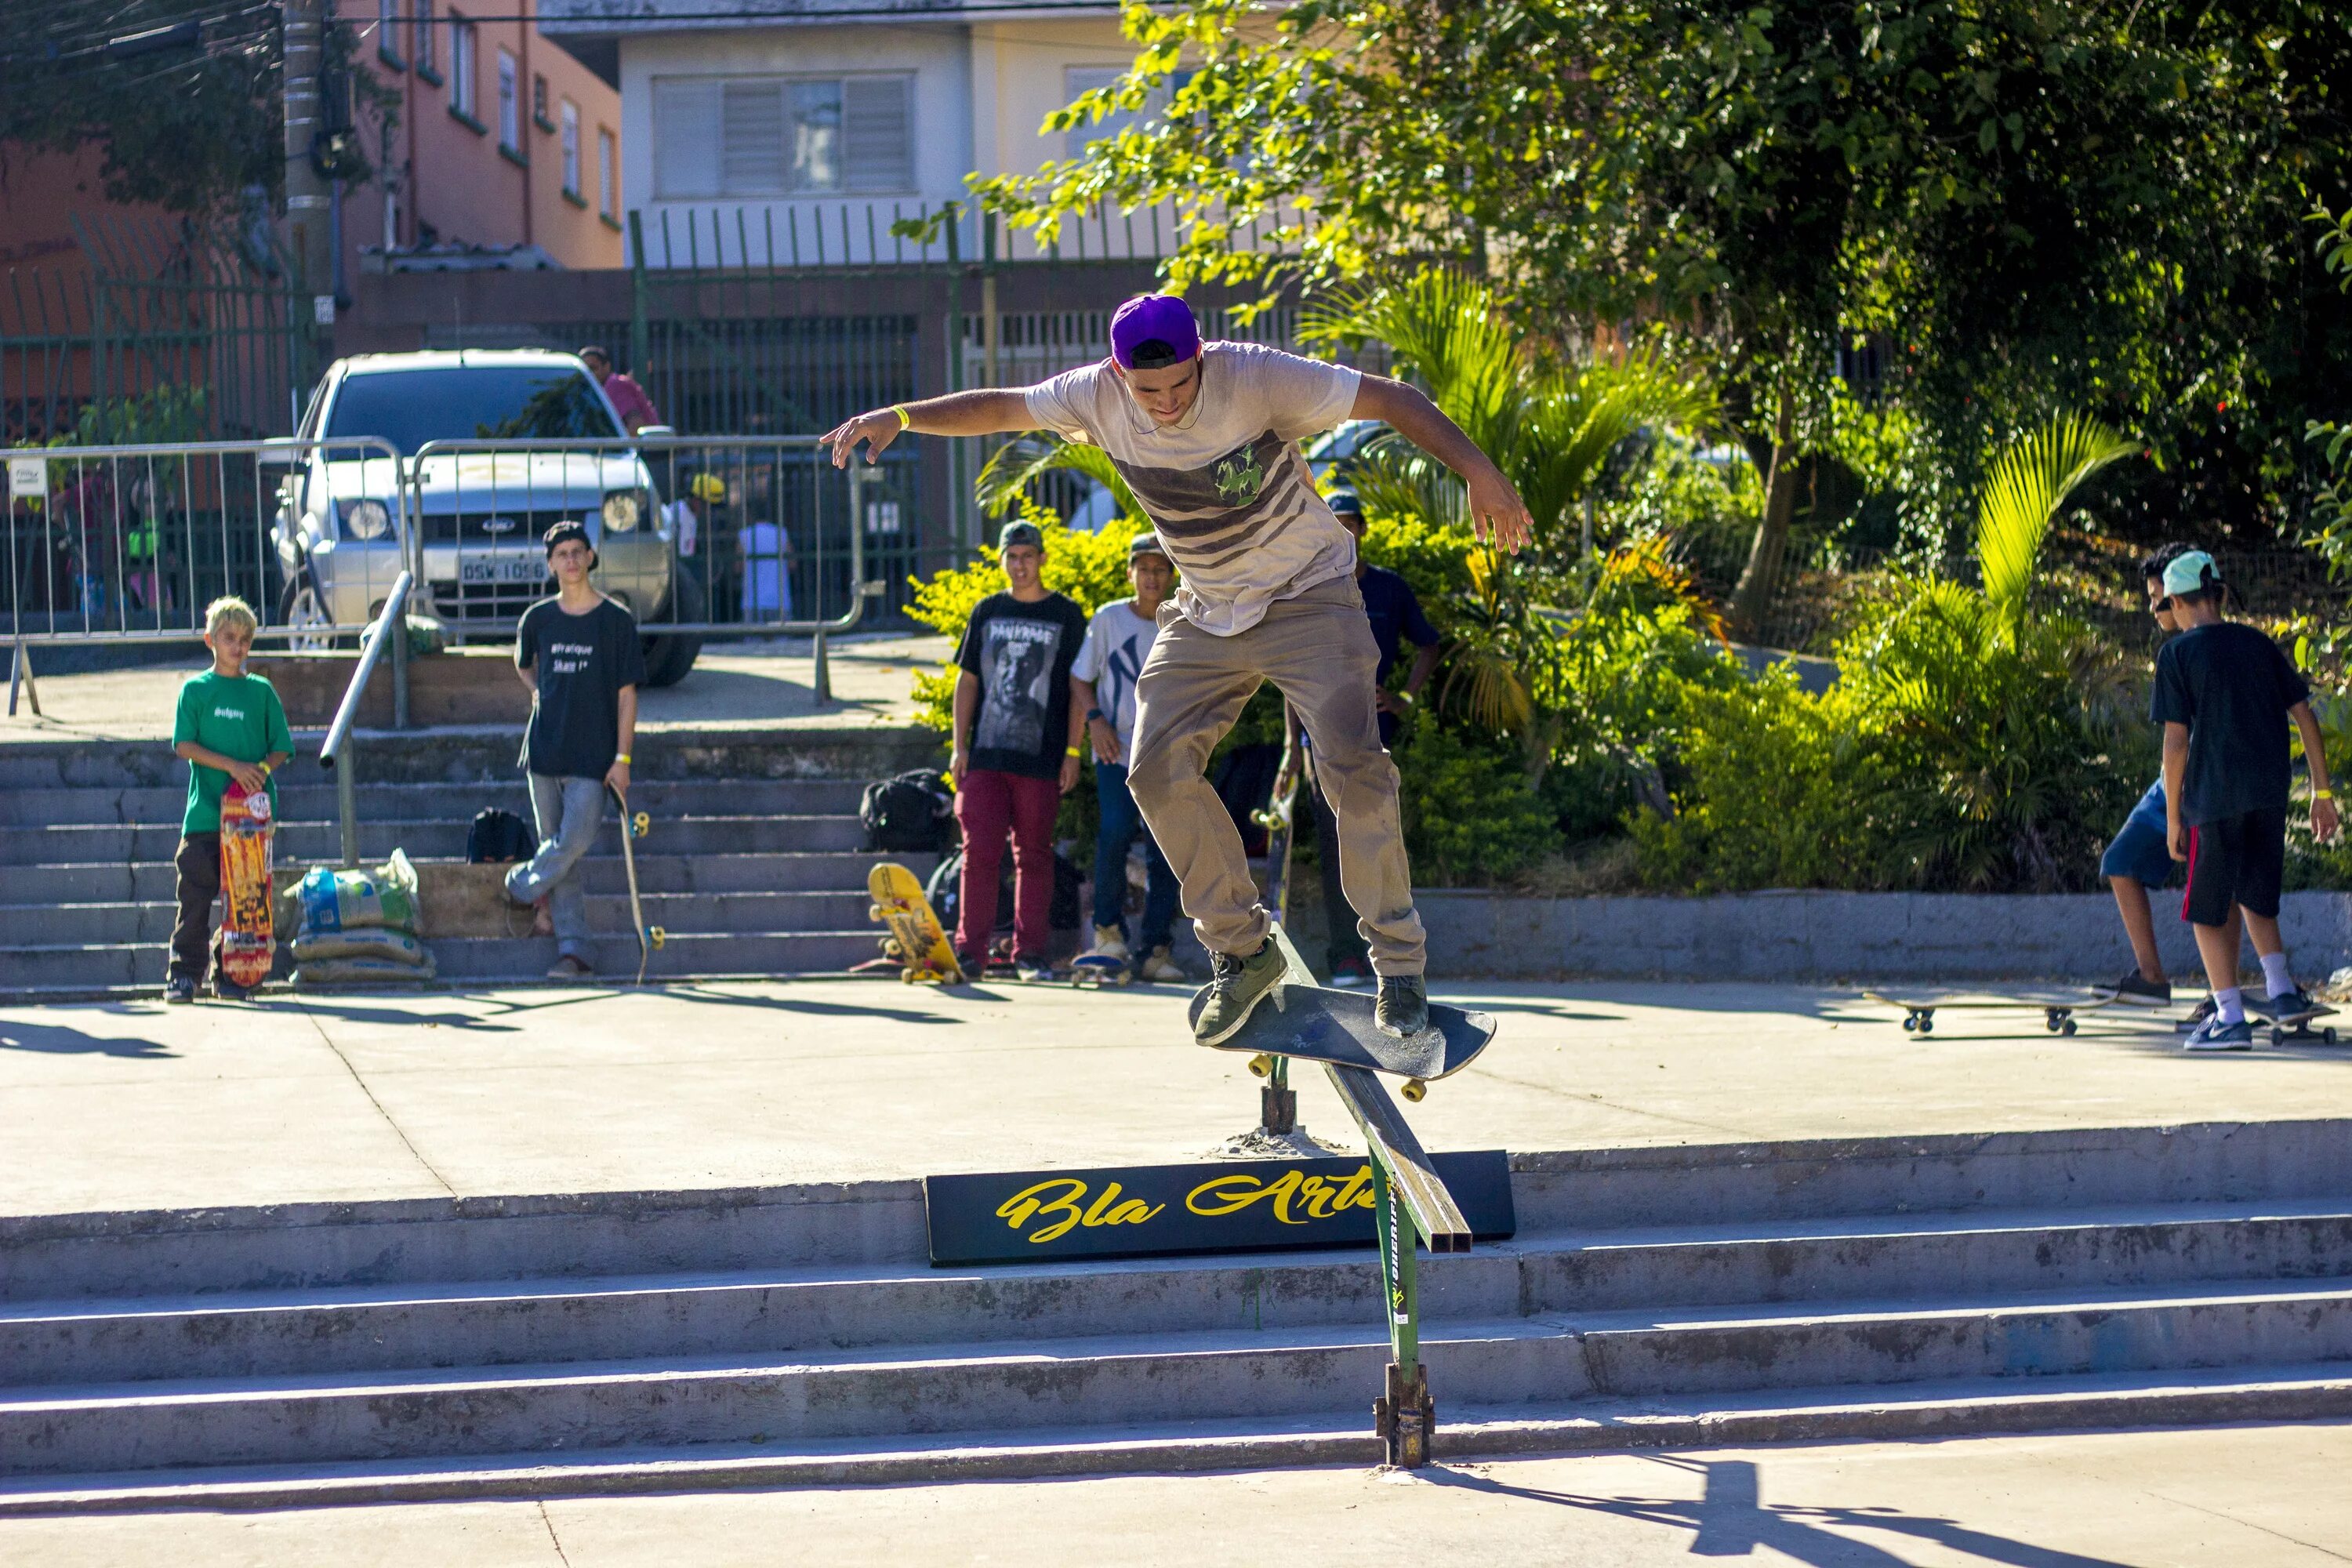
304	794
289	1332
38	888
70	844
1107	1381
1924	1410
109	924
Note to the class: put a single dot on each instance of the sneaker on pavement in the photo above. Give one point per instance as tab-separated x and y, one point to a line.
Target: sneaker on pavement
2295	1004
1350	974
2197	1014
1159	967
1110	943
227	990
2213	1034
1032	968
2137	988
570	967
1401	1008
1236	986
181	989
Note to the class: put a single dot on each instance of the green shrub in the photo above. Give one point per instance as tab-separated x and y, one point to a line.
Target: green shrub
1471	817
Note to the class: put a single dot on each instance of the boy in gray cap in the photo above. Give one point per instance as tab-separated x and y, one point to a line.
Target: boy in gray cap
1207	436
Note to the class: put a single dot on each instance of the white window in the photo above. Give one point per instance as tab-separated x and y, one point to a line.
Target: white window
461	65
510	104
424	54
387	26
570	130
779	136
608	199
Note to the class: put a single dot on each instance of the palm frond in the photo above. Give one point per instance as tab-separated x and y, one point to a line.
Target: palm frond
2030	482
1445	328
1013	468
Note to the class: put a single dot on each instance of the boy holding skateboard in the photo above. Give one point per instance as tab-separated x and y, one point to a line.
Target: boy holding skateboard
230	727
2224	694
1119	639
581	655
1207	436
1015	751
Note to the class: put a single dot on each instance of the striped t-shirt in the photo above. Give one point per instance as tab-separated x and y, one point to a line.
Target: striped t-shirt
1227	488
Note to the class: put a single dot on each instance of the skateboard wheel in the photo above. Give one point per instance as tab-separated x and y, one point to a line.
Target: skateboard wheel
656	935
2067	1027
1909	1025
2278	1036
2329	1034
1414	1090
1261	1066
642	824
873	911
1927	1025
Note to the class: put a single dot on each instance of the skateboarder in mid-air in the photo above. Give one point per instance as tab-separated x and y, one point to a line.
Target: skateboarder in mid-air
1207	436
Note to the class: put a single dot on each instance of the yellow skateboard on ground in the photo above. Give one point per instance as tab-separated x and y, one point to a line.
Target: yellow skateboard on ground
915	942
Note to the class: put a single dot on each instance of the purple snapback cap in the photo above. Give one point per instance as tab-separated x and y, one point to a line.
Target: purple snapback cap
1152	332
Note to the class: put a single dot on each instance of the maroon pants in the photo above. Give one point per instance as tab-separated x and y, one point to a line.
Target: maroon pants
987	804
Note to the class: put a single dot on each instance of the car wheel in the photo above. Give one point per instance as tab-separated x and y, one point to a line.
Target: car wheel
300	606
670	656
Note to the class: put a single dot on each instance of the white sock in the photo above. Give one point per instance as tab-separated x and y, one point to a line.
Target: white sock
2230	1005
2274	974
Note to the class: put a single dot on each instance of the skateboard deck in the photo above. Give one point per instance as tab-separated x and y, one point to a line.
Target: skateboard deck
631	829
248	938
1314	1023
915	942
1090	970
2290	1026
2057	1008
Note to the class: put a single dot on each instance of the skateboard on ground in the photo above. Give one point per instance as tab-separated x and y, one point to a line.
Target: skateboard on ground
2057	1010
915	942
1317	1024
248	939
1092	971
631	829
2289	1028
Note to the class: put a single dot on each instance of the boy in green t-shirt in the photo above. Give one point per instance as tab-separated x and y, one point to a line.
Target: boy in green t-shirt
230	726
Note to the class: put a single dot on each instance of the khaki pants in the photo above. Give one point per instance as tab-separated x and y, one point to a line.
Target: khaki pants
1317	649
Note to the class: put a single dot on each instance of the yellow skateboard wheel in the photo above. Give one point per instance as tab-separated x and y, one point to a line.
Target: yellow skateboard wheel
1261	1066
656	935
642	823
1414	1090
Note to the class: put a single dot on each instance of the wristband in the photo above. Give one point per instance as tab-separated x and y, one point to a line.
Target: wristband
620	756
2323	794
1074	752
905	420
1093	714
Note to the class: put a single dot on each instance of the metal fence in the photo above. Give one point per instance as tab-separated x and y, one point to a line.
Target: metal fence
129	543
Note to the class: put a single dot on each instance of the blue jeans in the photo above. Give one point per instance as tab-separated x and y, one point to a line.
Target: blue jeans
2142	848
569	812
1121	822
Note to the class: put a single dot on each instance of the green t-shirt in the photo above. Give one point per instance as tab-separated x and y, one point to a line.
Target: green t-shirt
239	716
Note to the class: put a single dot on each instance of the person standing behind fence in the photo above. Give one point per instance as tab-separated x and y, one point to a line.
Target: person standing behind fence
581	655
1015	751
230	726
629	400
1119	639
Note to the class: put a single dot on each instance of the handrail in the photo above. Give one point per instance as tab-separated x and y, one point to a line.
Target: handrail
394	620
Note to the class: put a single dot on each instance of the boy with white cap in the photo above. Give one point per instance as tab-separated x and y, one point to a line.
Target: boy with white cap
2224	694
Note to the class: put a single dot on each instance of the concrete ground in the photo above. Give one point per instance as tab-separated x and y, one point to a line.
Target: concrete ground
736	685
2249	1497
134	1105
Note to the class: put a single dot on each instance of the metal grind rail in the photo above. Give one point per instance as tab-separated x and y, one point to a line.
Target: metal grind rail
333	753
1411	1208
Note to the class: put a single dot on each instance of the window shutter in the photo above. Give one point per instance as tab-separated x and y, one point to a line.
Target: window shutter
752	118
686	138
878	131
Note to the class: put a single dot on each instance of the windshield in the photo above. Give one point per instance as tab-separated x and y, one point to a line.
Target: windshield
410	407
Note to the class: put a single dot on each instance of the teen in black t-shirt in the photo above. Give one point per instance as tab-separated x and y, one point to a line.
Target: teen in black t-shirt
580	654
1015	751
2225	695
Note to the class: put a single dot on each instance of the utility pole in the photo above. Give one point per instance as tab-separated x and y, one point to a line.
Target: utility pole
309	207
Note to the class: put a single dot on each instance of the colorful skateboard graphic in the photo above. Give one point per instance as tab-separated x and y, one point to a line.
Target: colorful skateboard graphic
248	938
915	942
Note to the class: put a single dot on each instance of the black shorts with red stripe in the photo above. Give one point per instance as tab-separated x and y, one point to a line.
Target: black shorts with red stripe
2238	860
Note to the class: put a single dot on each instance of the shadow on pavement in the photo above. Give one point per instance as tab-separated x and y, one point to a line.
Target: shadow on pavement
56	1039
1731	1520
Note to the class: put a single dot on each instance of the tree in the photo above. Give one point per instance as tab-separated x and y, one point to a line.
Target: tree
2027	201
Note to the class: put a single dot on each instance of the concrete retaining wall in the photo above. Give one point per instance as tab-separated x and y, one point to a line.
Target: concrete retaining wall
1825	936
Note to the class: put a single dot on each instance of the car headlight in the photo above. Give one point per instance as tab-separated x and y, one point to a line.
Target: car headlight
366	519
622	510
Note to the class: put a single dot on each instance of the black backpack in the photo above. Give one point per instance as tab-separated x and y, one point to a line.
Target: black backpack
498	836
913	814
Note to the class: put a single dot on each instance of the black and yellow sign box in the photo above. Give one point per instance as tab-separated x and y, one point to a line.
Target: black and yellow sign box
1154	1211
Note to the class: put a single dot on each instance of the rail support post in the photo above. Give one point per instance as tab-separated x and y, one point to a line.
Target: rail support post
20	673
821	681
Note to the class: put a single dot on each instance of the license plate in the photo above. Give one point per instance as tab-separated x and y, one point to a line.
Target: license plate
521	569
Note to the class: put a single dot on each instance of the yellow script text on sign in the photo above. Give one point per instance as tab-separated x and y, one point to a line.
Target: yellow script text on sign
1294	1196
1062	1204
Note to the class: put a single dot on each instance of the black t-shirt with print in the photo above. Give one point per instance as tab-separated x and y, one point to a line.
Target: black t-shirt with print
582	663
2233	687
1023	654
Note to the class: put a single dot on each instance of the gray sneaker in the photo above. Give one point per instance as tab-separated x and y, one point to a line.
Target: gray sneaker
1401	1008
2213	1034
1236	986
